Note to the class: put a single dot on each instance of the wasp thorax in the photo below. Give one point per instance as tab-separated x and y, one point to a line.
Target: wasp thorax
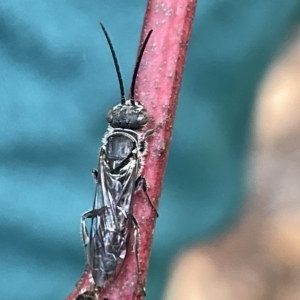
128	116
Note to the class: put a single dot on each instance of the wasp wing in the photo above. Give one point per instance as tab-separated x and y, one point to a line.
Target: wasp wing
111	220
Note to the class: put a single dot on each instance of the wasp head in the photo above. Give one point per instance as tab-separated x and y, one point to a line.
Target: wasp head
128	115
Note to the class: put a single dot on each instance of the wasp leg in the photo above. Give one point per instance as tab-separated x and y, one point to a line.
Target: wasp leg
90	294
136	251
95	174
88	215
142	143
84	231
123	163
149	133
141	183
86	296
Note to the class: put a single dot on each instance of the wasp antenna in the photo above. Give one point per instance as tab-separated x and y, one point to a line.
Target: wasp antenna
113	53
137	65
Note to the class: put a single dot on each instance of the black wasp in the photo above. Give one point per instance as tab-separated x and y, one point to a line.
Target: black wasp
107	239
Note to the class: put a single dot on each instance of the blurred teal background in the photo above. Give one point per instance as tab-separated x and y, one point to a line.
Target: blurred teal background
58	81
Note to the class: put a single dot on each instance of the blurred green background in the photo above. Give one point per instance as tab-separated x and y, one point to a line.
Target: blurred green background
58	81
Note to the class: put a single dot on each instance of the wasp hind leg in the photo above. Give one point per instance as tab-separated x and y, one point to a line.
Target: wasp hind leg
87	296
141	183
136	252
91	294
84	232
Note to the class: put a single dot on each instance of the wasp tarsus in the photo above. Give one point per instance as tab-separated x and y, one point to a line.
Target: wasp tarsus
91	294
95	174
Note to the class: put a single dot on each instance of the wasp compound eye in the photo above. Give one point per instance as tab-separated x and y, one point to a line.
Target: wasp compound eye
142	117
109	116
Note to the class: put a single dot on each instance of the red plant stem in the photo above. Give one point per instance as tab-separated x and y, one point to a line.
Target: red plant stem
157	86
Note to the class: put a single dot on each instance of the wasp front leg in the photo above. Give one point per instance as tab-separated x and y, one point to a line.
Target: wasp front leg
148	133
142	142
95	175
